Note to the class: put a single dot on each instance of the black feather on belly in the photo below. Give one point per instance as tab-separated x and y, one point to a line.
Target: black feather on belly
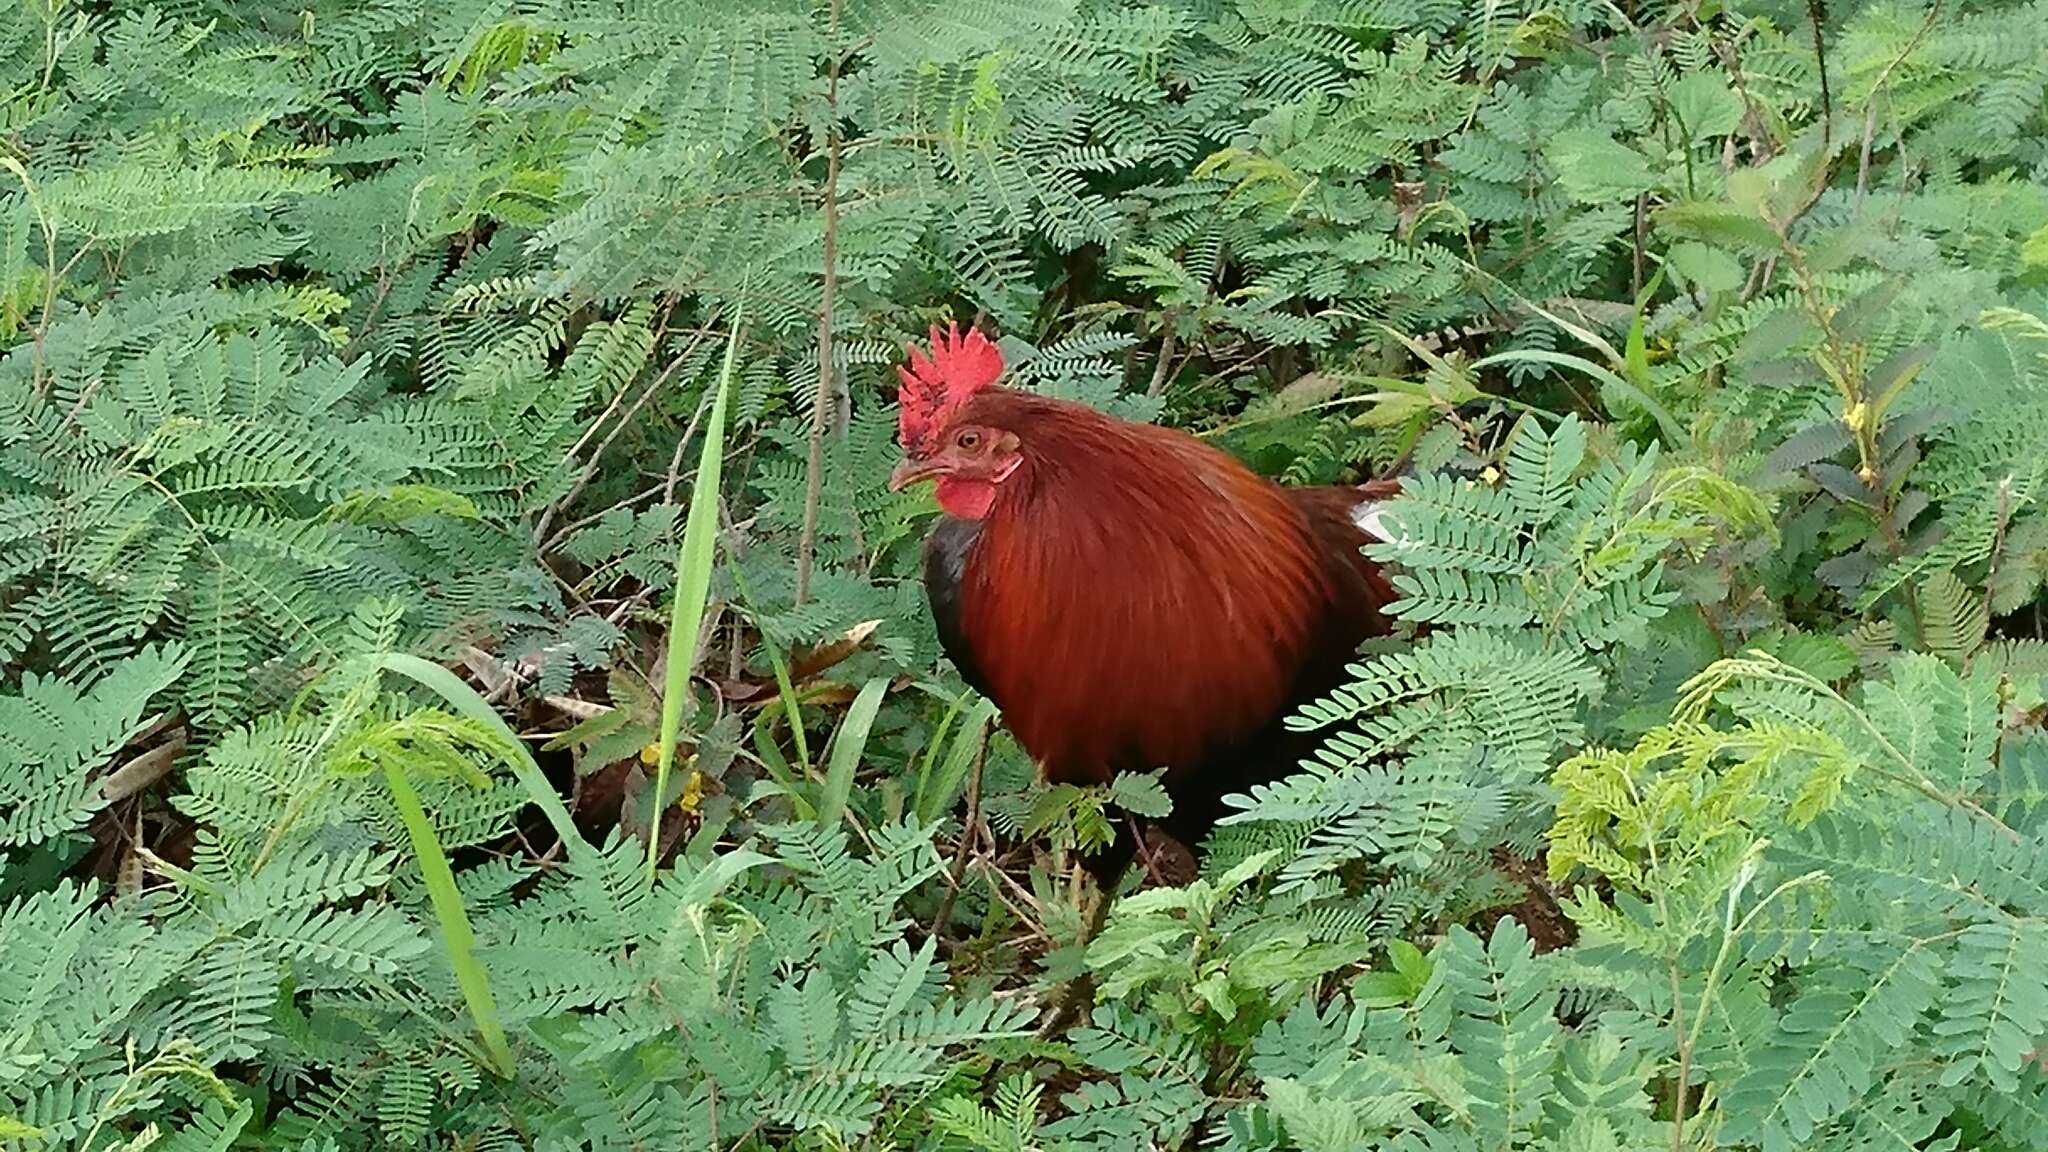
945	565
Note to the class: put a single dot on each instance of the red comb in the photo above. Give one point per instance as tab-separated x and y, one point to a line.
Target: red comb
934	388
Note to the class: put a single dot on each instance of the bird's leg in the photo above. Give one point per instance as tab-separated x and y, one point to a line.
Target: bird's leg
1144	850
1077	998
1106	868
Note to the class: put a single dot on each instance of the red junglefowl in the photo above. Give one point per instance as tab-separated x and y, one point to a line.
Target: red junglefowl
1130	597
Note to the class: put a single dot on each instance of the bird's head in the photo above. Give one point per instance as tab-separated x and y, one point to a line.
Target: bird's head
942	439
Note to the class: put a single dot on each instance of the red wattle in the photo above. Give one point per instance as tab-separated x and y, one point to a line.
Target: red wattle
966	499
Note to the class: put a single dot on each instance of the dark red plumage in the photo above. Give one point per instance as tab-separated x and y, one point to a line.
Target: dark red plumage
1131	597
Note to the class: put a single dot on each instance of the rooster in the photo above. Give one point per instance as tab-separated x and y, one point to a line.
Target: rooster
1130	597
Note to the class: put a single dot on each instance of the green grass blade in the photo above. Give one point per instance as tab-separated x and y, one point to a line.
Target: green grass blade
959	758
1668	423
1636	350
454	918
693	591
464	700
456	933
847	745
941	740
792	708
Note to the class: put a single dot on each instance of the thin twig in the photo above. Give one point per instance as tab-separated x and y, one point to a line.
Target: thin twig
1642	236
966	844
586	521
675	459
583	441
1998	538
1162	372
1684	1059
142	771
822	407
1761	146
1762	276
43	330
666	489
540	530
1030	916
1144	850
1817	11
348	351
1870	106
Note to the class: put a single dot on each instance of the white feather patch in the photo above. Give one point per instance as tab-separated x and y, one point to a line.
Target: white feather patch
1374	519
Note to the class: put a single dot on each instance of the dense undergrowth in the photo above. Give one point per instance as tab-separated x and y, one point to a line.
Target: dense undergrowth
361	362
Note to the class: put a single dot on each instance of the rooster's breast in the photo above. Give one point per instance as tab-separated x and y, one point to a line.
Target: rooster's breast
1128	645
946	553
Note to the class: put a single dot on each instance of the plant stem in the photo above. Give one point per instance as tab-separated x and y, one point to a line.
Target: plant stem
1163	371
1870	108
961	850
1817	11
823	411
1684	1058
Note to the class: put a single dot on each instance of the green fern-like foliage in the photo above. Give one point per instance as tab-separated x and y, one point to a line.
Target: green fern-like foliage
789	1027
1439	750
219	496
58	735
1578	564
1706	810
114	1006
1911	906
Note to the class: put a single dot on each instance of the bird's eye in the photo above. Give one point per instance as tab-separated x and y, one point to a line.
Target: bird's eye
969	439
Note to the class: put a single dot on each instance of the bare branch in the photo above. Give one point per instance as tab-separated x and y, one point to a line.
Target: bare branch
1163	371
823	410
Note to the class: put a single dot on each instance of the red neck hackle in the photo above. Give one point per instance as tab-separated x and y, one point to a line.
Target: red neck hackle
936	386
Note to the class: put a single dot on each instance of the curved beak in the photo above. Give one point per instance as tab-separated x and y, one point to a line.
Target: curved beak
911	472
